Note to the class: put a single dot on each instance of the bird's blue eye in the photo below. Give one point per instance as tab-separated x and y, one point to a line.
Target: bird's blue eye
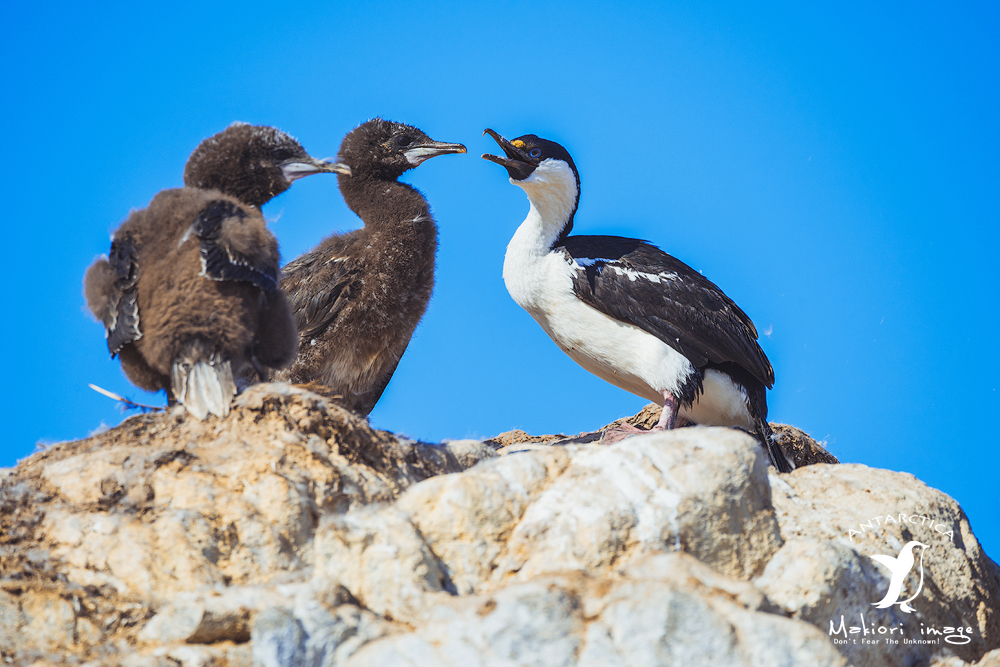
535	152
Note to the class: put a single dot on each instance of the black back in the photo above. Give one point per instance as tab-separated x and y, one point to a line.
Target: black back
680	306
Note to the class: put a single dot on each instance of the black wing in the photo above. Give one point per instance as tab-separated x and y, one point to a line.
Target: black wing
318	285
123	327
636	282
221	262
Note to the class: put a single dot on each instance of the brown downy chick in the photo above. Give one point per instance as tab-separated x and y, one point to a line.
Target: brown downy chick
182	295
189	294
253	163
357	297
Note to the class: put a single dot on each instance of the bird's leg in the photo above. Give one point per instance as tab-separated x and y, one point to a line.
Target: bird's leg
262	374
668	418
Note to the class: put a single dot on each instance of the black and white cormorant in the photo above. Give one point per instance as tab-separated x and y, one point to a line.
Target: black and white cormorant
189	294
357	297
628	312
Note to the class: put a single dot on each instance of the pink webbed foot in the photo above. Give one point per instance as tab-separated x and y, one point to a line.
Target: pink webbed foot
619	433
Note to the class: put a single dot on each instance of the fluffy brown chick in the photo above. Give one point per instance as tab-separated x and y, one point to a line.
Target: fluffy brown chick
189	293
357	297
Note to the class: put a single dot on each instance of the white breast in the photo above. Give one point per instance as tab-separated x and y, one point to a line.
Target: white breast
617	352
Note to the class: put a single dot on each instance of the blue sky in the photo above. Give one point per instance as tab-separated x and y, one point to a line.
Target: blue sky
833	168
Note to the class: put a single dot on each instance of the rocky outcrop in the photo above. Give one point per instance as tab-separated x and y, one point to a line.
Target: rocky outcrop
291	533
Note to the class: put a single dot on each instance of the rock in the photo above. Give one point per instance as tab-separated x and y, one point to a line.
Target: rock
683	570
12	619
292	533
536	623
681	627
646	418
701	490
278	639
453	455
48	619
382	559
466	519
991	659
567	508
576	620
835	518
205	617
233	501
519	437
800	449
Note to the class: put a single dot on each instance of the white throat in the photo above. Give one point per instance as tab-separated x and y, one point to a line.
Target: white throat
551	190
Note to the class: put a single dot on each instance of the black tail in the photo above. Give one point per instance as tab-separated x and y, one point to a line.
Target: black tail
756	397
766	437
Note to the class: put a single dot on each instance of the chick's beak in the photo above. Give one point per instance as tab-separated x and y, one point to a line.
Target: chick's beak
428	149
299	167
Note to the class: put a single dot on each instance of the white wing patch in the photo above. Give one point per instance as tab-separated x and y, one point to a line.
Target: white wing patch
582	262
651	277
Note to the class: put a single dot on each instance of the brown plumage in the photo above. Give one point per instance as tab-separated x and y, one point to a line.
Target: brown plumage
189	299
253	163
189	294
357	297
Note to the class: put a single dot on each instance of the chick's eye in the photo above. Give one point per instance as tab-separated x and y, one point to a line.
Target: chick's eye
535	152
403	141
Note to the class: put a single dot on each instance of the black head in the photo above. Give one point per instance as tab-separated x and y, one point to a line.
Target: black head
253	163
385	149
524	154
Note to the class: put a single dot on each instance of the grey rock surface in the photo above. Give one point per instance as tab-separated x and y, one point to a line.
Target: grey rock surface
835	518
292	533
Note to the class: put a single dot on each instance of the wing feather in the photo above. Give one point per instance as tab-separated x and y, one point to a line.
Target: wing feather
318	291
636	282
123	327
220	260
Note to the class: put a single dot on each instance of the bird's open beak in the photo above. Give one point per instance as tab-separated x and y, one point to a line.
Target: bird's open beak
425	151
518	163
299	167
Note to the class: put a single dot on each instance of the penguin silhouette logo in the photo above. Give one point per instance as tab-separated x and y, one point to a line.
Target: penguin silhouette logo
900	567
